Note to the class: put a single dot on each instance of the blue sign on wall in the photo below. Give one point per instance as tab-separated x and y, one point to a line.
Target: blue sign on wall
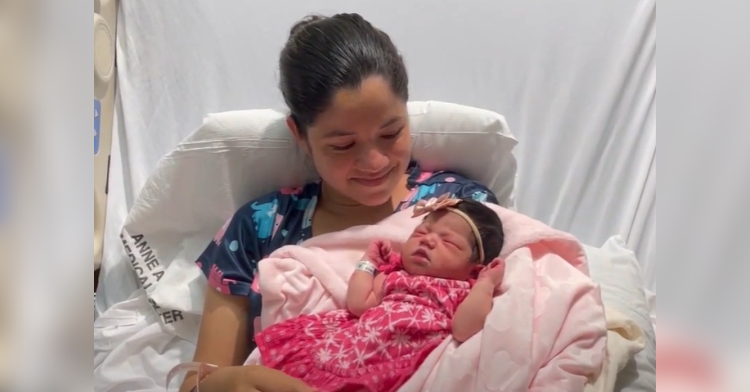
97	124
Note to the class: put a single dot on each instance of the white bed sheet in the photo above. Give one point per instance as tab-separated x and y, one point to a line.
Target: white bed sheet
576	81
133	351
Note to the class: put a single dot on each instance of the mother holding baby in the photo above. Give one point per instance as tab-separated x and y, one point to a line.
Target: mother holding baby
346	87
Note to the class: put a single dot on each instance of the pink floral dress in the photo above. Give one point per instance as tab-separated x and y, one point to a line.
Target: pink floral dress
338	352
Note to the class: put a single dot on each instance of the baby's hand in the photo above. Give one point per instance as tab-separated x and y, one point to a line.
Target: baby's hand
379	251
493	273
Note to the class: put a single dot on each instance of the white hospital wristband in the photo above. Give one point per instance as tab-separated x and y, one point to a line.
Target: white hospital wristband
366	266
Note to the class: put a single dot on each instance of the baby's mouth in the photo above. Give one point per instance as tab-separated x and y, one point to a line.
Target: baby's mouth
421	253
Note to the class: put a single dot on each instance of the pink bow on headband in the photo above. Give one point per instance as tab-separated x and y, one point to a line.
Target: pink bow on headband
433	204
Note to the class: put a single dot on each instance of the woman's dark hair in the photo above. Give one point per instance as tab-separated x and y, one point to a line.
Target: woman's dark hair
325	54
490	228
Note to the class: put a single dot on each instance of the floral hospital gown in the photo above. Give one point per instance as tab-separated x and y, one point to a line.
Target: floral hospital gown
230	261
336	351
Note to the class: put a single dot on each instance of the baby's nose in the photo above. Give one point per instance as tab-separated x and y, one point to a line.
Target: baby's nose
428	240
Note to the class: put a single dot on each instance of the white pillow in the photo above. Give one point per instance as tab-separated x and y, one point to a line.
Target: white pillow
474	142
237	156
618	272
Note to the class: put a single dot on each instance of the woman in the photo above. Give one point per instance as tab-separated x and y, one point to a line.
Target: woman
346	87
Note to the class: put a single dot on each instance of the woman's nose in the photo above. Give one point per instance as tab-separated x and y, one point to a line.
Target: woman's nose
372	160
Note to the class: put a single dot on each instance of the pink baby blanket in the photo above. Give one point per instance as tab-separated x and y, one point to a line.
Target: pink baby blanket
546	332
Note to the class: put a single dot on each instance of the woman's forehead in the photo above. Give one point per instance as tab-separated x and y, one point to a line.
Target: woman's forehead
350	129
368	108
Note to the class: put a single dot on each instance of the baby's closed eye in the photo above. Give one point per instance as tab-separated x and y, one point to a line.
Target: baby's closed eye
451	242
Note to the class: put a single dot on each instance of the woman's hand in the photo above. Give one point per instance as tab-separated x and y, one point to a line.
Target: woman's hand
251	378
379	252
493	273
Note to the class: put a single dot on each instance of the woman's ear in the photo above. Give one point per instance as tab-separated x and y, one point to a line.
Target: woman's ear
296	134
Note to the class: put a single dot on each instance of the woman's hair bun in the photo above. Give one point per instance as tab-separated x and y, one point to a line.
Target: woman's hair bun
299	26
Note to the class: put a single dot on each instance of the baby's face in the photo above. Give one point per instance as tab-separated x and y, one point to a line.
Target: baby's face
441	246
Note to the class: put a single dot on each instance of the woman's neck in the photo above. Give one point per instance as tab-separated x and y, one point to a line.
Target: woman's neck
336	204
339	205
335	212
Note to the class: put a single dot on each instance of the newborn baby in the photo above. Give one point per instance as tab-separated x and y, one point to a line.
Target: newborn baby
400	306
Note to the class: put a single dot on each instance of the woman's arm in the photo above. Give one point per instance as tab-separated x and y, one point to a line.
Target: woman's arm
228	264
223	336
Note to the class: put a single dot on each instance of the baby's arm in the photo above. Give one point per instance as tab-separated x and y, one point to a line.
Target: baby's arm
472	312
364	292
365	288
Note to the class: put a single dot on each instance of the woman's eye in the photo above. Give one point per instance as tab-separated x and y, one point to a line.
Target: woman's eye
393	135
342	148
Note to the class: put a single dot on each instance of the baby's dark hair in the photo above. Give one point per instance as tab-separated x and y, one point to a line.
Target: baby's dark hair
490	229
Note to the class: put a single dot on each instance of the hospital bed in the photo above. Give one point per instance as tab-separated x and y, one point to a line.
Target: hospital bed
554	80
198	186
209	175
105	22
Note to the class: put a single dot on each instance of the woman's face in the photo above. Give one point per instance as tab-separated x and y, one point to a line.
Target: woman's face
361	144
